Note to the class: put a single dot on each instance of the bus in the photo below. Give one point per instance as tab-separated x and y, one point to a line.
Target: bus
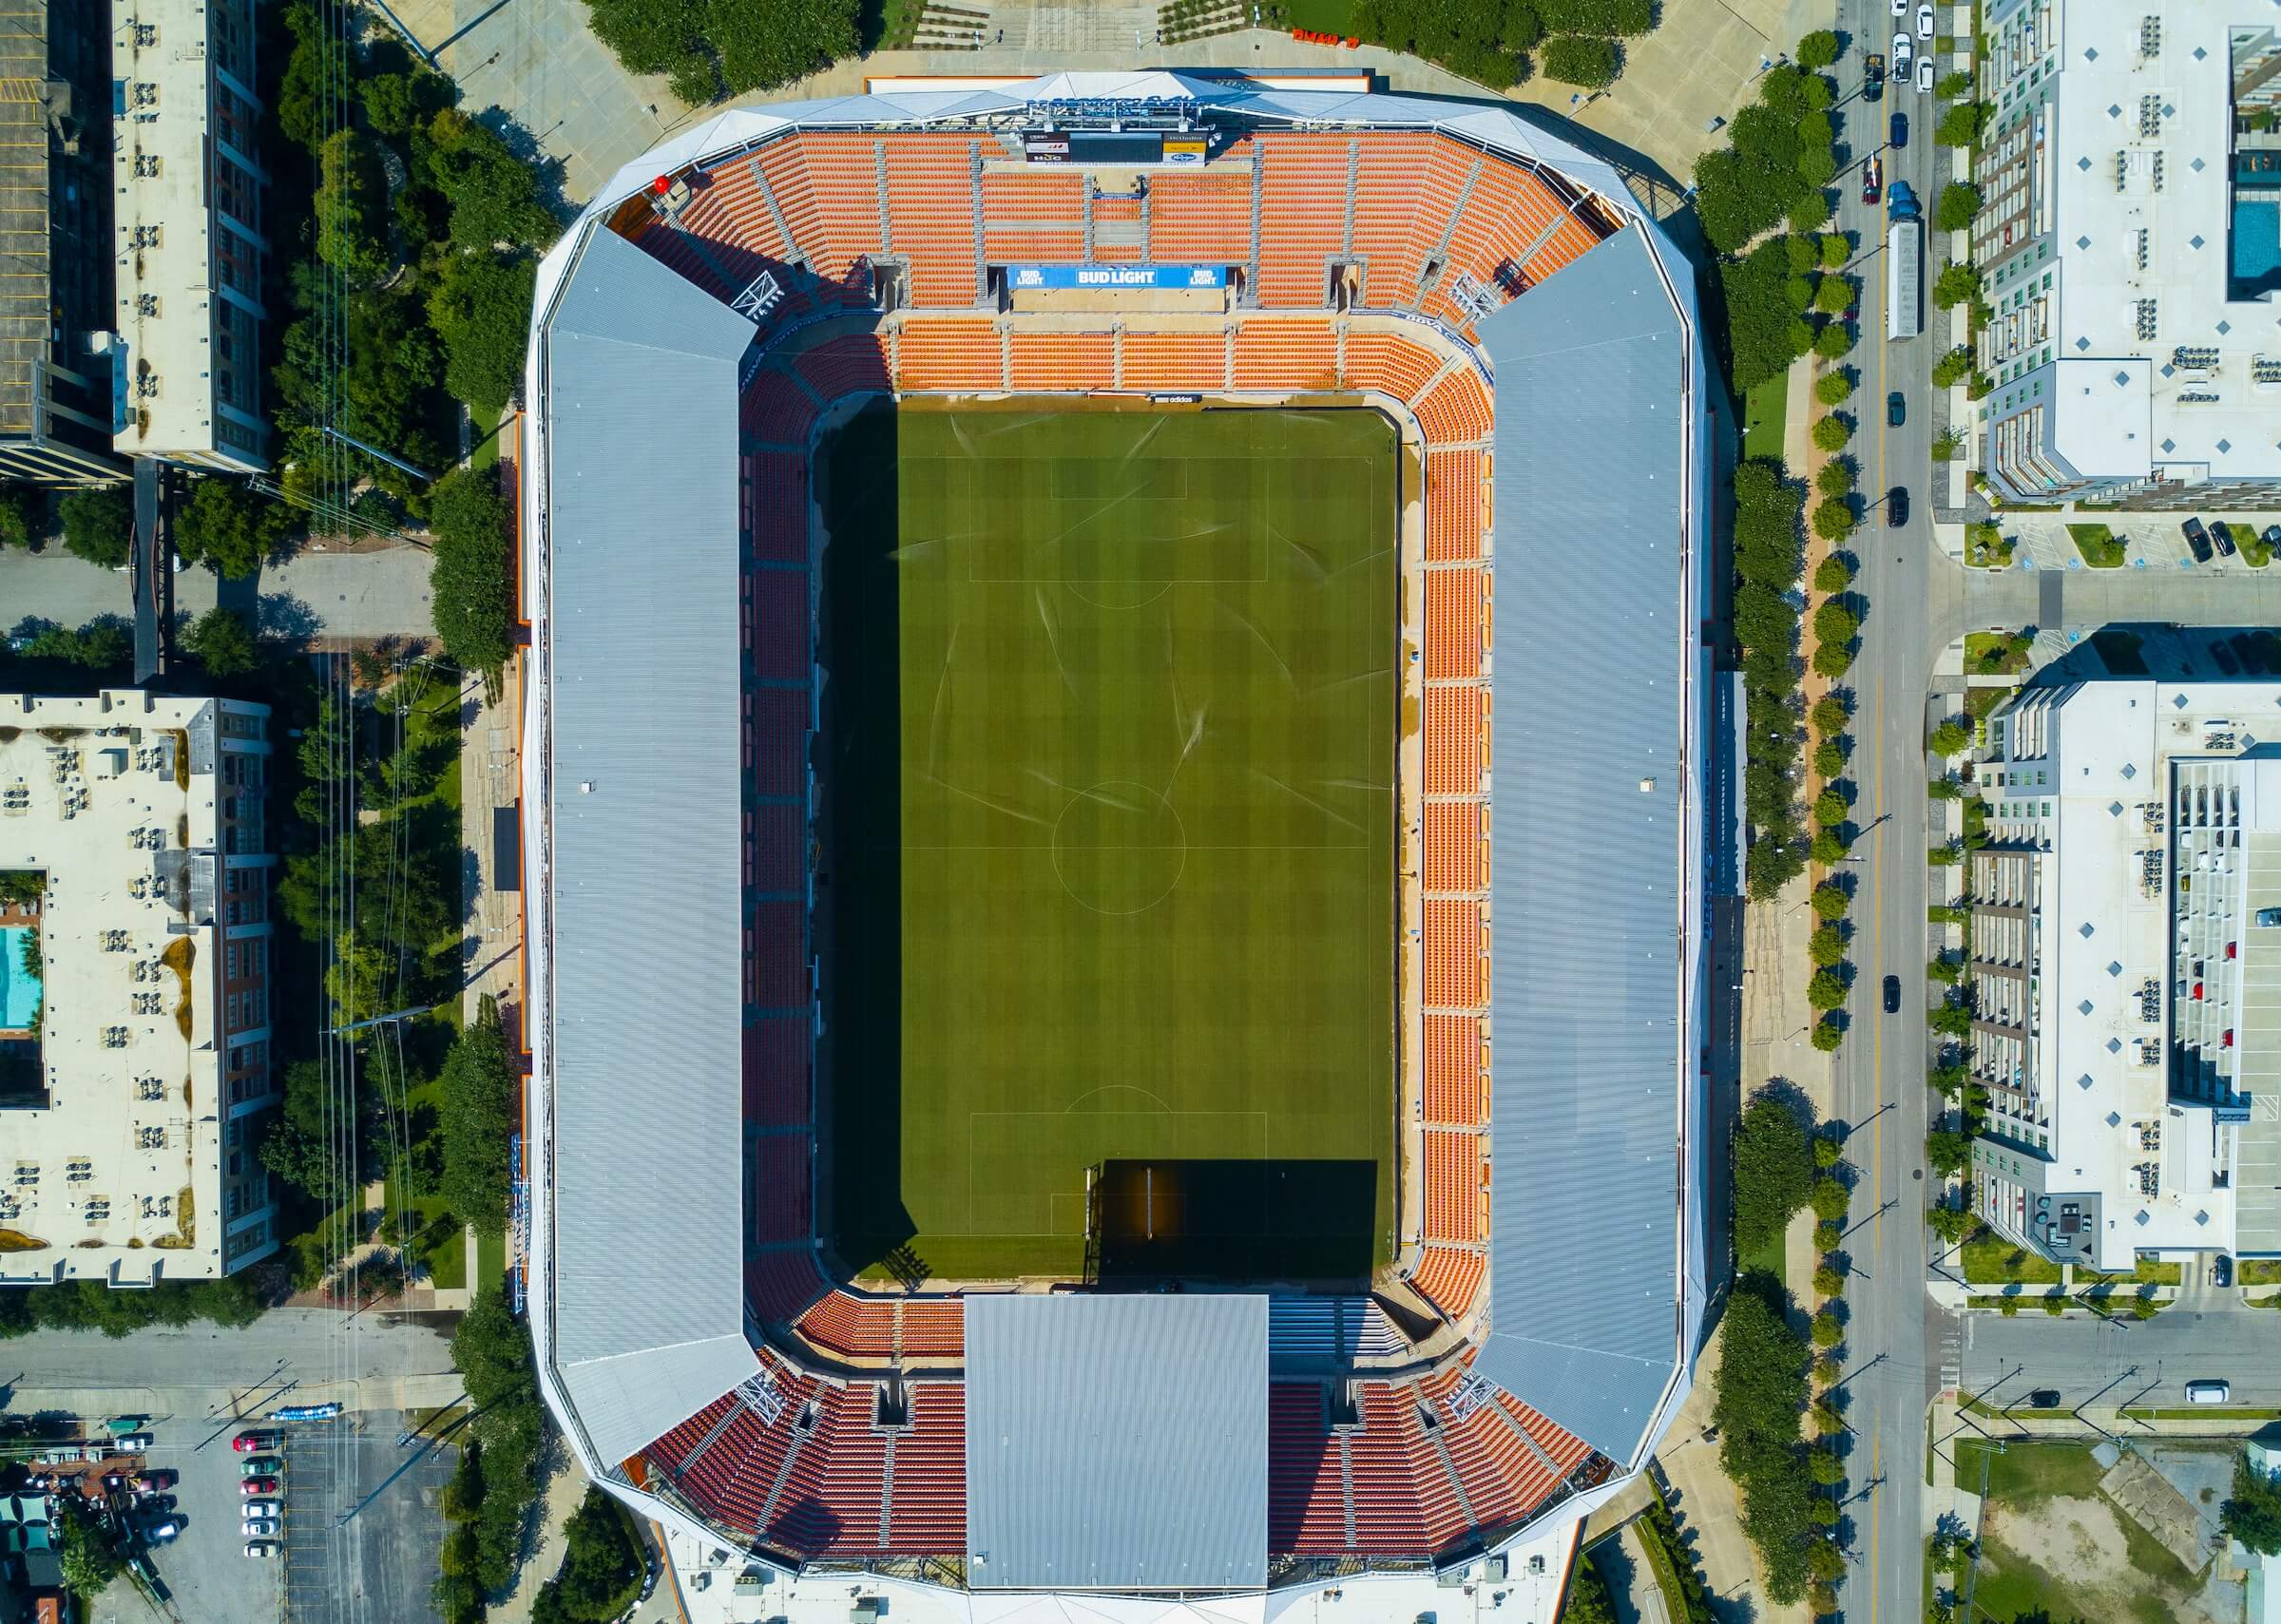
1904	265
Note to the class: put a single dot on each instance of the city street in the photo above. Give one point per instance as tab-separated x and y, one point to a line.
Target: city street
313	593
285	1348
2123	1361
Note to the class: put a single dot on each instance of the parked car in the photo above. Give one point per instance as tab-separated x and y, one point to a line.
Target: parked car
2272	537
166	1528
1892	995
2223	536
255	1443
2221	1271
130	1442
1872	179
1924	22
1902	50
1896	130
258	1527
2197	540
261	1466
157	1503
1924	76
1896	409
2269	916
1900	7
250	1486
1896	507
2043	1399
158	1478
264	1508
261	1548
2207	1390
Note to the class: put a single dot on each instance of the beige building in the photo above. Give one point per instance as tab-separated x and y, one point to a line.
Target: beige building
134	990
187	191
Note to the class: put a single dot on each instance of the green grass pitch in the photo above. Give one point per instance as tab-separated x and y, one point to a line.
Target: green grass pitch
1110	702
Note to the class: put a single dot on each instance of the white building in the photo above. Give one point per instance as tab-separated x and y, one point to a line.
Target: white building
187	226
2130	250
134	1032
2128	999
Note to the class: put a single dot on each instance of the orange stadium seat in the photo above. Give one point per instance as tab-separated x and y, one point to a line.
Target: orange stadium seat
1452	954
1307	1478
780	1285
934	1328
928	1510
1302	215
774	487
948	355
1390	1515
1453	503
1032	218
778	858
853	364
1456	410
775	1064
1286	355
1200	220
1408	190
1175	360
729	206
931	215
777	410
845	1323
1453	624
1449	1276
1390	364
778	1200
1057	363
1452	1185
1453	740
777	627
1453	1065
1450	856
1121	212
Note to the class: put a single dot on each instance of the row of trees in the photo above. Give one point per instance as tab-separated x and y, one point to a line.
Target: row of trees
1961	1105
1787	297
1491	41
1781	154
602	1566
711	49
1768	558
488	1500
88	1305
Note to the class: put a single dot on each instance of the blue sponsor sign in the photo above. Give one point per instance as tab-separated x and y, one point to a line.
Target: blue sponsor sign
1133	278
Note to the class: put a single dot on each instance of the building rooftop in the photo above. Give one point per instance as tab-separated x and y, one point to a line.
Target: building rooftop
2141	163
112	1113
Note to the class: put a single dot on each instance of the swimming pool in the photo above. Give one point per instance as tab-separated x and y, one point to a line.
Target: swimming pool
2256	246
19	993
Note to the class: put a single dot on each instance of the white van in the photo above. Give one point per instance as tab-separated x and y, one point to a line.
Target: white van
2208	1392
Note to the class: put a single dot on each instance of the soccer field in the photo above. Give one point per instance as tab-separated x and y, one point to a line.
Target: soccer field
1111	709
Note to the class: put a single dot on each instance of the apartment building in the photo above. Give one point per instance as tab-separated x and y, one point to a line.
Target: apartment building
187	234
2126	971
2130	252
135	967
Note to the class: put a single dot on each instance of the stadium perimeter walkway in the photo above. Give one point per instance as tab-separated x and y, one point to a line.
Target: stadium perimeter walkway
537	61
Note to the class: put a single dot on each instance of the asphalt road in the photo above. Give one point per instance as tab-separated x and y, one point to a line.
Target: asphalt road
1910	595
283	1348
2123	1361
311	595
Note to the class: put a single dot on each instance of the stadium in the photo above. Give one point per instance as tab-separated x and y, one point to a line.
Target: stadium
1099	1023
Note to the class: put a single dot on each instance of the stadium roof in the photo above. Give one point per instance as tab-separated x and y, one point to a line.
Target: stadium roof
647	956
1116	1442
1590	1073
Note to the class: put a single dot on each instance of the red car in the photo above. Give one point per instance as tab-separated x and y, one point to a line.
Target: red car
253	1486
160	1478
254	1443
1872	179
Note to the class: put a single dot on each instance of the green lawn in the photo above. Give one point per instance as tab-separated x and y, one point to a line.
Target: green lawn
1989	1259
2257	1272
1112	723
1763	409
2015	1584
1323	16
491	1259
486	433
2102	548
1996	654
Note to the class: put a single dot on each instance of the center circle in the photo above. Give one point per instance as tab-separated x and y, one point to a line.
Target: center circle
1119	847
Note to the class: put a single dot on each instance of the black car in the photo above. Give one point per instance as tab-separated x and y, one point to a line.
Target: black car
2043	1399
1896	409
2223	537
2272	537
2197	540
1892	995
1896	507
2221	1271
1898	129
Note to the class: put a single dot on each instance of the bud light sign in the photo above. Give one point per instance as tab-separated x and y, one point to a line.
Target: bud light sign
1135	278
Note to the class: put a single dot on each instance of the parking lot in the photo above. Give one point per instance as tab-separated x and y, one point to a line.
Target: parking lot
384	1557
203	1569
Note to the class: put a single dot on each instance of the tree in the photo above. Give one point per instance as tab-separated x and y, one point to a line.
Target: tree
1587	1601
1960	201
1952	1019
1760	1395
1832	659
1773	1170
1828	1330
105	643
478	1115
1829	807
1817	50
1831	713
222	642
1827	1233
1825	1467
1833	296
1960	124
1830	1199
221	527
1829	847
1830	901
1763	331
1833	387
17	517
1944	969
1951	738
1828	1280
474	611
1836	251
1810	212
1834	574
307	98
1950	85
491	1350
1831	432
99	524
1955	285
1833	519
711	47
1833	341
481	308
1828	1035
1581	59
492	190
1834	622
1954	1225
1829	756
1952	368
1826	946
1947	1152
88	1561
351	190
1827	990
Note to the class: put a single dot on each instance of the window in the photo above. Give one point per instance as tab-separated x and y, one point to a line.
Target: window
230	960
